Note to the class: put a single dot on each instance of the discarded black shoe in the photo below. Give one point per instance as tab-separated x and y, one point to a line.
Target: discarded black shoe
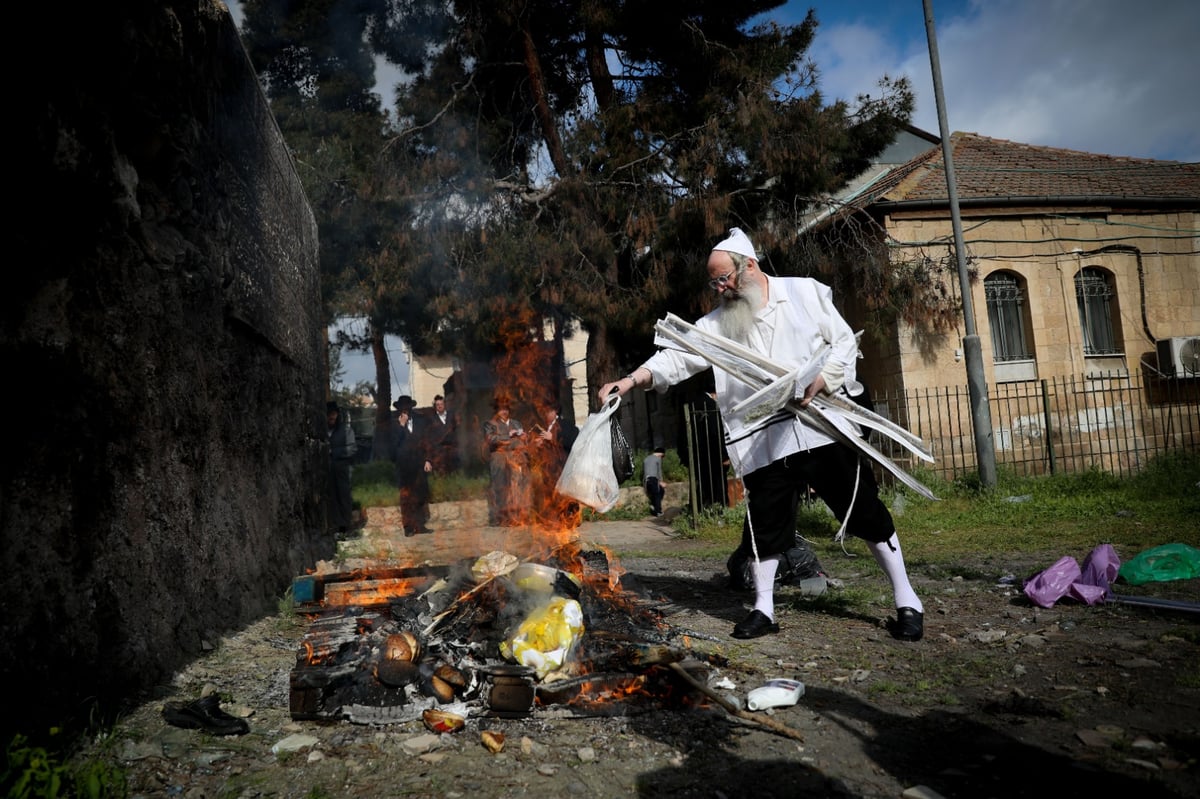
754	626
909	625
204	714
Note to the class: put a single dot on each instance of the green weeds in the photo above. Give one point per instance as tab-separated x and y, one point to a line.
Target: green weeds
36	771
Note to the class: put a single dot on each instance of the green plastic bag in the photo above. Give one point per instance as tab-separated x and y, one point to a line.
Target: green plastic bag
1168	562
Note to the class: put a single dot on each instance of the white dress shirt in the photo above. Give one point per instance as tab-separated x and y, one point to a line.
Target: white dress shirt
798	319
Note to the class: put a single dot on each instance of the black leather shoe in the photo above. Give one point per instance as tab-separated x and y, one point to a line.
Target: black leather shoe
204	714
754	626
909	625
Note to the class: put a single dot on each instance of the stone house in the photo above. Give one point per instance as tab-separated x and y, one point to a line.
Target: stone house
1085	276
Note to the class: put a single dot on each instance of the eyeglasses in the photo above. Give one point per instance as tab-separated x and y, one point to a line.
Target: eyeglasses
722	281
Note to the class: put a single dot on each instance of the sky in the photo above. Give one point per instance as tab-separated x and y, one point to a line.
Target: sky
358	367
1102	76
1111	77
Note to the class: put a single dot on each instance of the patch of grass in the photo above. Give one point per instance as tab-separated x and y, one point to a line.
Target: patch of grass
847	599
375	495
373	485
974	533
887	688
381	472
717	525
630	511
286	606
457	486
1190	634
1068	513
39	771
947	571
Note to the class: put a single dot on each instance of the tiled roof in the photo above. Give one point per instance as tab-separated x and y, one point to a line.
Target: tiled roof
997	169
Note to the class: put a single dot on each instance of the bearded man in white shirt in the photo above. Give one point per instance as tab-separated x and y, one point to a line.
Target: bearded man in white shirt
788	320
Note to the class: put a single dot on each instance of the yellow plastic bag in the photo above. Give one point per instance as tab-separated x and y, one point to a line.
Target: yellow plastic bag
547	637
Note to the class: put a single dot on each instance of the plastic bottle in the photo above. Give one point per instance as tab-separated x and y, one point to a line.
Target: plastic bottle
775	693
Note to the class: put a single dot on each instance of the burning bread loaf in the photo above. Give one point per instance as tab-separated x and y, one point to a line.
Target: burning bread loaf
402	646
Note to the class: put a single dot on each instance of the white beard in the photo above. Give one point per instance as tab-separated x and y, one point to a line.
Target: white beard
736	319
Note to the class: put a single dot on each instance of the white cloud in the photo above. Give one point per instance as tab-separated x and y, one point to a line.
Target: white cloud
1097	75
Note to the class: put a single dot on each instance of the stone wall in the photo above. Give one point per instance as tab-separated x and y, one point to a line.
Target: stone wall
163	478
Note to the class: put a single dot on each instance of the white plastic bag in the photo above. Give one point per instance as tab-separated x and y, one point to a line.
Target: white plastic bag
588	474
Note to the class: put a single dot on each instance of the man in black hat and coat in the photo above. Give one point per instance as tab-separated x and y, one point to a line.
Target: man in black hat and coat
411	458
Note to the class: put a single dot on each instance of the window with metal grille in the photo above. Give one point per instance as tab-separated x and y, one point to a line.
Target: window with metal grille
1006	315
1095	296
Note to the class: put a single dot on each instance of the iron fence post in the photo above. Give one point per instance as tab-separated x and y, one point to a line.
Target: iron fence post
1049	431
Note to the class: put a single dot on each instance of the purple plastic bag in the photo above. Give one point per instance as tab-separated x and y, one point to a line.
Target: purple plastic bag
1099	572
1065	578
1087	594
1047	587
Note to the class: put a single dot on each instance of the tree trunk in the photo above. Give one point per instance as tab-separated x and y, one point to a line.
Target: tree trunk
545	116
601	76
602	363
381	445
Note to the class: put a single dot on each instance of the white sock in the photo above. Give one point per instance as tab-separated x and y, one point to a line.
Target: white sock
892	563
764	585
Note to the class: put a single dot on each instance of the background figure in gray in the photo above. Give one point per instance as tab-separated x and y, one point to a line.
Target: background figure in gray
508	466
342	452
652	477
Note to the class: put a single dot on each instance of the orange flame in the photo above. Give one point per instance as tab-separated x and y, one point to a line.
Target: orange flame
314	655
529	377
608	690
363	589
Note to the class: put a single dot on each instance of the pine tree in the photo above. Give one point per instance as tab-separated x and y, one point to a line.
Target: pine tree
582	156
553	159
317	67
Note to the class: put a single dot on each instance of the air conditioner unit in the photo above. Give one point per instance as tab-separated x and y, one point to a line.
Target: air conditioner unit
1179	356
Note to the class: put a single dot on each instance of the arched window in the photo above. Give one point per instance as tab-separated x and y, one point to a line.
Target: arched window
1007	316
1097	301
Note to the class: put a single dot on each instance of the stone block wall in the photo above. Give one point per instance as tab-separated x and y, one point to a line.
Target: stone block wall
164	472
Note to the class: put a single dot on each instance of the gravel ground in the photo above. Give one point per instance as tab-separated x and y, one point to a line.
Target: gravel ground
1000	699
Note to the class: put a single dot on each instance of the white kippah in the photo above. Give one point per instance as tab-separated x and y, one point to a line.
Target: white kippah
738	242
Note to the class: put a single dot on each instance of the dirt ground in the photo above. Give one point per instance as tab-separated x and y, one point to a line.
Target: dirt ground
1001	699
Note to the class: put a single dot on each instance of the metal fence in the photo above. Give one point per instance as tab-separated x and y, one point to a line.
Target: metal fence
1115	423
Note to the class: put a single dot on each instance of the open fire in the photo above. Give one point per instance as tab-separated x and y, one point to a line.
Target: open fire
494	636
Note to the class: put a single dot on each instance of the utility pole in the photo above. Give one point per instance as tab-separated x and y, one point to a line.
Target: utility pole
981	415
